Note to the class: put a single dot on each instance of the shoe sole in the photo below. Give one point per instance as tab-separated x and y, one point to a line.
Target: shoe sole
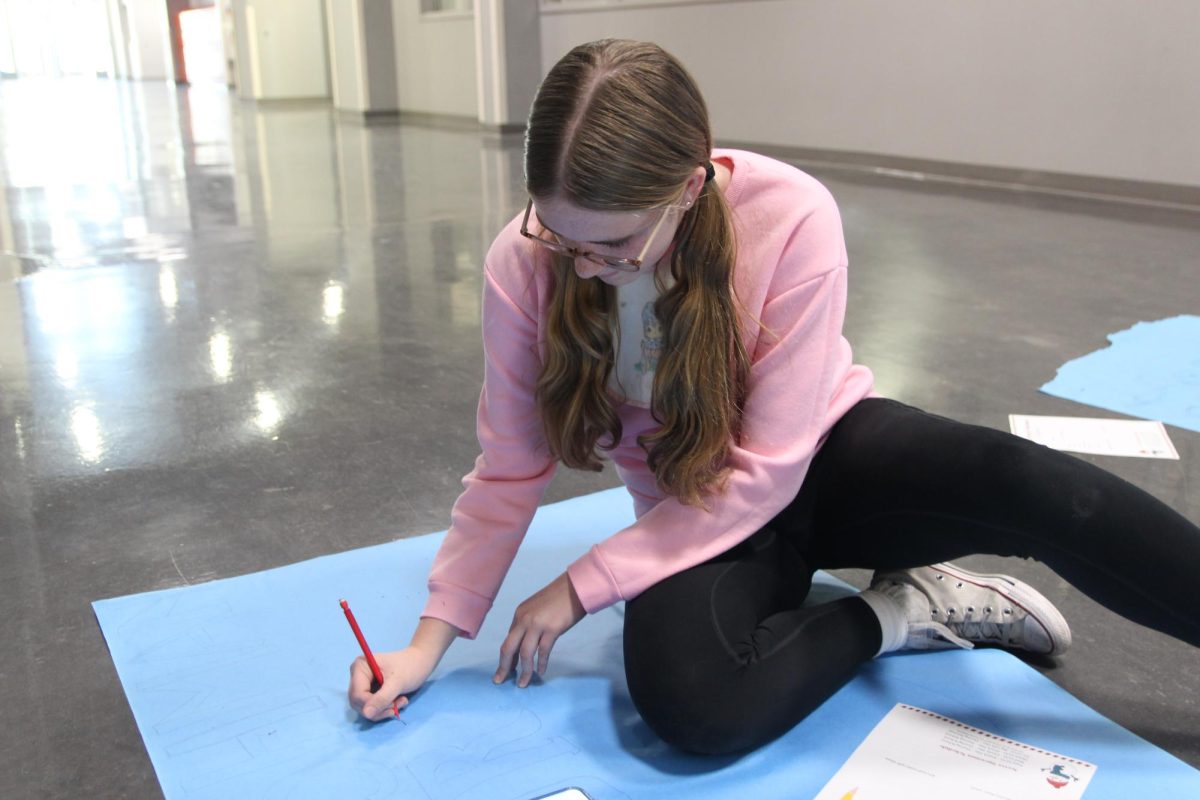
1036	604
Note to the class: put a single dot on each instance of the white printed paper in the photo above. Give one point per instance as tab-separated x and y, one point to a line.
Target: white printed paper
1104	437
914	754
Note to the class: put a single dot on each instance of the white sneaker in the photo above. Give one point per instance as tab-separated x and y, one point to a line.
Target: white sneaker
948	606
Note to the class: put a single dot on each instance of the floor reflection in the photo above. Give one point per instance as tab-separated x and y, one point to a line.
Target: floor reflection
217	260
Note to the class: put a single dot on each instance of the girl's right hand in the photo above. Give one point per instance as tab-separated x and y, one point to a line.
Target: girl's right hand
404	671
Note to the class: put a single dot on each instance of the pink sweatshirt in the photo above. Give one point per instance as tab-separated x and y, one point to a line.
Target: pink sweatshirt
791	275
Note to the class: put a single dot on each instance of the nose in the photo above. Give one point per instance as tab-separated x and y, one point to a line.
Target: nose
586	268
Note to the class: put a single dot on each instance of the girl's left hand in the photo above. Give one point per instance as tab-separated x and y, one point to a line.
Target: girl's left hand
536	626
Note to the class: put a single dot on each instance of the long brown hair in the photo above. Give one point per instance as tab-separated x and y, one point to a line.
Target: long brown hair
620	126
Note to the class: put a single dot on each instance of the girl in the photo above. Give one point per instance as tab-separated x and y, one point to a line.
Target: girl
754	448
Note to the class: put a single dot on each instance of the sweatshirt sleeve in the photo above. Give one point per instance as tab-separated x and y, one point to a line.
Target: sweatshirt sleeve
490	518
797	369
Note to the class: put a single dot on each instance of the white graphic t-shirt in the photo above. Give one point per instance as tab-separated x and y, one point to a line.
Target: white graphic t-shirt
639	339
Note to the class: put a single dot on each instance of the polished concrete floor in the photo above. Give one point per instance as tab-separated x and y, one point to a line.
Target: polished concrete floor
235	337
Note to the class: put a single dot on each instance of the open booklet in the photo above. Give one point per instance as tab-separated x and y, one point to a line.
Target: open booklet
1104	437
914	753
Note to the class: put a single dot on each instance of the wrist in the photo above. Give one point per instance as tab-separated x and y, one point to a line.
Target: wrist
426	659
576	604
433	638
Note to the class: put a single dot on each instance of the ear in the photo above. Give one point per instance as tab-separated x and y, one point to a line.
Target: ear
695	185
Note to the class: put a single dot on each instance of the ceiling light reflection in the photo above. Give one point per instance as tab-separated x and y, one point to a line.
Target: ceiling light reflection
168	290
19	430
269	414
220	355
334	304
89	440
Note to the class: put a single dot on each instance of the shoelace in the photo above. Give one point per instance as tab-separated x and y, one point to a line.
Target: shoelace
960	633
988	631
942	637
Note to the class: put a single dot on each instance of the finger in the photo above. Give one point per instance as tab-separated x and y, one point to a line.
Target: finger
384	703
393	709
508	651
544	648
528	650
505	667
360	683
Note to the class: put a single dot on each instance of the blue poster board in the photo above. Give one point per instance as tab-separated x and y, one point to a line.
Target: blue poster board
238	688
1151	370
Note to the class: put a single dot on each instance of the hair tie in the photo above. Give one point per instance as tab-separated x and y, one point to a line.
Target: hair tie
710	171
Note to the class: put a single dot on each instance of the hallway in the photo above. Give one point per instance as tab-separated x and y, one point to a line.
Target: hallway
236	336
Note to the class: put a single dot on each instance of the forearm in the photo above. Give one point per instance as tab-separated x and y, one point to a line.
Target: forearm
433	637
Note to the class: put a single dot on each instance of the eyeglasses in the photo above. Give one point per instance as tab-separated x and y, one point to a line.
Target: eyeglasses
621	264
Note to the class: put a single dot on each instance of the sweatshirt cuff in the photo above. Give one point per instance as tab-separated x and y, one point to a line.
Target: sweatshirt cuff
595	585
463	609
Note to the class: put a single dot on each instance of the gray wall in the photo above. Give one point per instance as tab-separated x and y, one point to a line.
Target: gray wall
1106	88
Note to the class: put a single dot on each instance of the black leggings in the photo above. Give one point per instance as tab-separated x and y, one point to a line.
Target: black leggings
722	658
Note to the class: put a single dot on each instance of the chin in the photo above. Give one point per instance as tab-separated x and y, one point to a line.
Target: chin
618	278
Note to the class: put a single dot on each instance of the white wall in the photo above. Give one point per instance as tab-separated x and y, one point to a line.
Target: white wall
362	54
116	43
148	45
435	61
229	40
285	49
348	80
1092	87
241	35
508	56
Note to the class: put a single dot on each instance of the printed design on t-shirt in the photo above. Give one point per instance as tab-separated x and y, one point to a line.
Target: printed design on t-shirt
652	341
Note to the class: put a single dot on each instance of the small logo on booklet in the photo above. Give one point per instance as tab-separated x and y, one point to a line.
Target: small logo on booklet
1059	777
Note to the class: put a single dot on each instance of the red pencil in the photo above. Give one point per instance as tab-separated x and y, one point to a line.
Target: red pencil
362	642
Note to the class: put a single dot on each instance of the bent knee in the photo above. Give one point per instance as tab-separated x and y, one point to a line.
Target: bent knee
716	730
702	716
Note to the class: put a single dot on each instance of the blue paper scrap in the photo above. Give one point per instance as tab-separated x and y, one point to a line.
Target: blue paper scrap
1151	370
238	688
